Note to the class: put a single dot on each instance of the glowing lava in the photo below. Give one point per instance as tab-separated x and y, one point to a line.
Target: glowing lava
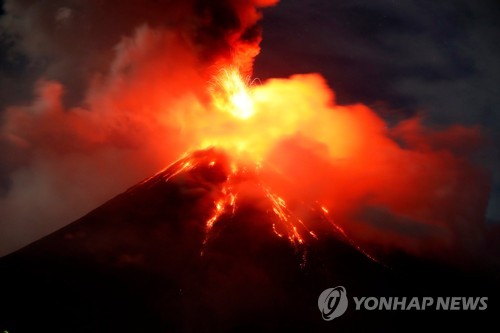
245	124
231	94
231	179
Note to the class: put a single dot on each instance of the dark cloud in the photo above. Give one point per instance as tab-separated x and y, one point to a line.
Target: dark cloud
71	41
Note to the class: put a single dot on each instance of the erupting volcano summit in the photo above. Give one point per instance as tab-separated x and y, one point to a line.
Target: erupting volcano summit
274	193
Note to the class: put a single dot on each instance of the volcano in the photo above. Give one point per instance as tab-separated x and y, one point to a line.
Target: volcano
205	246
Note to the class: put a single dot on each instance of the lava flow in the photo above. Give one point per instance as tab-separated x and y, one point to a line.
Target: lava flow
237	157
232	186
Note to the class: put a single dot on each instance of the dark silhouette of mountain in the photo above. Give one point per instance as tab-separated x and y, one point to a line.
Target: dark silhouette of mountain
142	263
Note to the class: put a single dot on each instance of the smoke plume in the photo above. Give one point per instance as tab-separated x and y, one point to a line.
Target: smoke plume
127	88
109	82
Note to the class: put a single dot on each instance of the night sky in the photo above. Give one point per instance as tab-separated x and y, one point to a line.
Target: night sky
438	60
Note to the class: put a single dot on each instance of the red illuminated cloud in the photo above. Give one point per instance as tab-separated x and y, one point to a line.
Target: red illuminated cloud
405	187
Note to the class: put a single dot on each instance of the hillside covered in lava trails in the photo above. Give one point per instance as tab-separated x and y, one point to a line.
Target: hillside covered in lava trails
204	246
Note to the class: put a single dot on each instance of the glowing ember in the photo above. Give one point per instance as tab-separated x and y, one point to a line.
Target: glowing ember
231	94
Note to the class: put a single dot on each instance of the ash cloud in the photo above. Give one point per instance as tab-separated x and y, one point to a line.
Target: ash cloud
407	187
402	58
85	93
119	90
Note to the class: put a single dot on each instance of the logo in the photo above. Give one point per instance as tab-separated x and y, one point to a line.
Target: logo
333	303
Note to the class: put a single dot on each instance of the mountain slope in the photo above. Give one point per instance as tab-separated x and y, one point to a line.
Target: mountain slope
146	262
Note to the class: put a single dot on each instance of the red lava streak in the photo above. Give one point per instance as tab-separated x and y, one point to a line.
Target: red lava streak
284	222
